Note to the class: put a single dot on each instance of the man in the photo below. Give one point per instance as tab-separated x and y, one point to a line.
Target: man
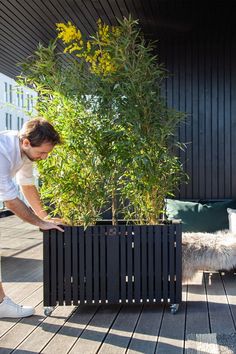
18	150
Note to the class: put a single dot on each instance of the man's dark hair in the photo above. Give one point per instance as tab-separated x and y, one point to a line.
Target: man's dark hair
38	131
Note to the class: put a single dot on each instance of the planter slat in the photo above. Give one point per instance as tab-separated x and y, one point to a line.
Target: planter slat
46	269
137	273
75	268
158	263
60	266
129	256
144	263
150	264
89	264
103	274
113	264
165	261
68	268
123	264
172	257
54	269
96	264
178	264
81	265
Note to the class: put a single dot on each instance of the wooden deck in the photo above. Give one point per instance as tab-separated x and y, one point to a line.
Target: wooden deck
209	305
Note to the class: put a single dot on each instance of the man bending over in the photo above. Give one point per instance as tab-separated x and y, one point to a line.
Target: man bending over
18	150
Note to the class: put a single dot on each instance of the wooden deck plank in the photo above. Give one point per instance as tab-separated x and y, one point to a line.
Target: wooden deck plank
72	329
145	336
7	324
20	268
25	270
221	320
94	334
17	333
229	283
16	235
42	334
24	284
121	331
197	319
172	330
65	338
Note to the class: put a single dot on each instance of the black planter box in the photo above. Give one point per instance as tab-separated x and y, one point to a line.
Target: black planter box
113	264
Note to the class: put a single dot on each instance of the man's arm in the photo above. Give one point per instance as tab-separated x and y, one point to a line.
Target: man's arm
32	195
20	209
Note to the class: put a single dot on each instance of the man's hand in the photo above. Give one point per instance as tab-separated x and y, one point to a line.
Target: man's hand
22	211
49	225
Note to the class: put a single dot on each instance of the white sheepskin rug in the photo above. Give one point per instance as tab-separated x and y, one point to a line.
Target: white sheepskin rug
207	251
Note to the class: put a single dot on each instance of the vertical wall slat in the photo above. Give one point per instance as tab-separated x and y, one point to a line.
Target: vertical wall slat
221	118
201	120
215	122
208	118
228	119
195	121
182	106
233	116
188	121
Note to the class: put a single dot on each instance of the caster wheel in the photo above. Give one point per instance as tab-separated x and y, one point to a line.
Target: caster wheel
48	311
174	308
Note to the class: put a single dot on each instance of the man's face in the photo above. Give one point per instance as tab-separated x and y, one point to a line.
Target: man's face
35	153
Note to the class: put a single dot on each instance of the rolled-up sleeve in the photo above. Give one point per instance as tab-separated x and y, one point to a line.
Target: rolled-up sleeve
8	189
25	175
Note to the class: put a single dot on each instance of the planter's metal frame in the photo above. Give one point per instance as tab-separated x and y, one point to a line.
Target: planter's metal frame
113	264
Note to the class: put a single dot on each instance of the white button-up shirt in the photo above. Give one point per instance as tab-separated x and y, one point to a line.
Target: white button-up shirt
13	164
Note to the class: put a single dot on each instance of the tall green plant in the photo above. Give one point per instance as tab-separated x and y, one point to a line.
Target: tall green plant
118	132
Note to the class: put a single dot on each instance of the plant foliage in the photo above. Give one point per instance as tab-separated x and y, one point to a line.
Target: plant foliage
105	100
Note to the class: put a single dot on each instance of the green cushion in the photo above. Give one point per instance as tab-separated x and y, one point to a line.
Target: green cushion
197	217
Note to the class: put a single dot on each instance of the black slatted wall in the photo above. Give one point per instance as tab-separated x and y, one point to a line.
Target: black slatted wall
202	82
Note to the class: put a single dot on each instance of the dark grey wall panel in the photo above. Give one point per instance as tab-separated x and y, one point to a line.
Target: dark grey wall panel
202	82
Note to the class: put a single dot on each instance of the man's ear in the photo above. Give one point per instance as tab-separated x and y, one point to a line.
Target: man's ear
25	143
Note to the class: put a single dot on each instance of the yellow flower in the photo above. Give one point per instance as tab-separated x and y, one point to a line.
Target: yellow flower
68	32
88	46
72	48
103	33
94	51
